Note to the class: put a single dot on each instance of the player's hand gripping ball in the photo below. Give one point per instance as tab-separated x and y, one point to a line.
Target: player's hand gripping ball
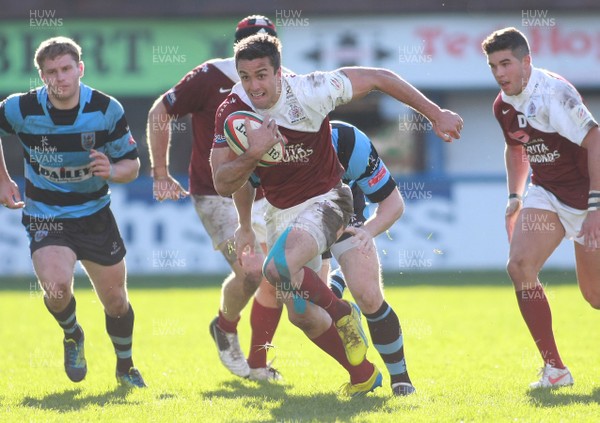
235	134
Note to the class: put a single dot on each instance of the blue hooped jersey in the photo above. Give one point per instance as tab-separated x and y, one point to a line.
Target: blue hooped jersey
56	148
363	165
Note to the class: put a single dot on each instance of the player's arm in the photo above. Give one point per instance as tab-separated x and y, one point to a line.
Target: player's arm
158	134
125	171
517	168
374	180
230	172
120	171
244	234
118	160
159	138
243	200
590	229
9	191
388	211
446	124
591	143
517	171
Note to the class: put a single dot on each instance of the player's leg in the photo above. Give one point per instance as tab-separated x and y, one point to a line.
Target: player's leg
101	251
363	278
219	218
295	253
238	287
54	266
319	328
285	268
536	235
336	282
264	318
588	274
110	284
266	310
300	235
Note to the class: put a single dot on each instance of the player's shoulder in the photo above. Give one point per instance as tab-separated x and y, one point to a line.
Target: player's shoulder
551	78
17	97
554	87
232	103
321	91
21	105
560	96
98	101
212	69
351	143
224	67
346	131
314	79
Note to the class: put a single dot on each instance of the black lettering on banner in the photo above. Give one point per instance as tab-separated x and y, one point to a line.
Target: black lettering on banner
28	51
133	39
97	52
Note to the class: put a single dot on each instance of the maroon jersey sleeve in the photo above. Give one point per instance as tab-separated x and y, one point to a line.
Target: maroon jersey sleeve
231	104
198	94
189	93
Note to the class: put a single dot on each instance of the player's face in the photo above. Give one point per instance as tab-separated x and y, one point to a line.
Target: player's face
260	81
61	75
510	72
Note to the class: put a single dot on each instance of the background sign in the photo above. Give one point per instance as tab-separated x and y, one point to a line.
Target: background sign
133	57
443	51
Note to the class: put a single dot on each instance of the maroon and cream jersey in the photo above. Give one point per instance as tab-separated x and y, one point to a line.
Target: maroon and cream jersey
200	93
311	166
549	120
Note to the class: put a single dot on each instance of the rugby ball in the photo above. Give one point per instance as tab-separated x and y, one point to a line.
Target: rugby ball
235	134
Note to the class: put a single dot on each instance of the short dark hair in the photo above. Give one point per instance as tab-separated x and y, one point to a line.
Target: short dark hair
506	39
258	46
54	47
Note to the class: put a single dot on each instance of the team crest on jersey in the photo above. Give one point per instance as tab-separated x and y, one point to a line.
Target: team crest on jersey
88	140
531	110
295	113
39	235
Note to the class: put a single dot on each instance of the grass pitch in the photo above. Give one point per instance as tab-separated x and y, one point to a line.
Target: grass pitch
468	352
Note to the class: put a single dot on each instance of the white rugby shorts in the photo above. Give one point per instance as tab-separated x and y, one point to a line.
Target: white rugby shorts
219	217
571	218
321	216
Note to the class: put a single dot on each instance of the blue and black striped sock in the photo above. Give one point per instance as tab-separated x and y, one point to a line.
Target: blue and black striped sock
387	340
336	283
120	330
68	321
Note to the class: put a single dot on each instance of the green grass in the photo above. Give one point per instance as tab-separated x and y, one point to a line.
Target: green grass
469	355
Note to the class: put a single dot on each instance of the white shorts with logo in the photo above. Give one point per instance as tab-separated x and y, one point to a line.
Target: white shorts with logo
571	218
219	217
322	217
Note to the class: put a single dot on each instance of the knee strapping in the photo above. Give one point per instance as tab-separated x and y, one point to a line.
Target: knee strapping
277	257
